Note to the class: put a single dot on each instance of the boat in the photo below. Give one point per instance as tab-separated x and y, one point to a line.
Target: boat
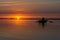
43	20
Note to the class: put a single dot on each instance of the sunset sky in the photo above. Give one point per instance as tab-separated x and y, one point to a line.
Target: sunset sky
36	8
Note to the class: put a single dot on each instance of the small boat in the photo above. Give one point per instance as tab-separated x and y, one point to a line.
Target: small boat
42	21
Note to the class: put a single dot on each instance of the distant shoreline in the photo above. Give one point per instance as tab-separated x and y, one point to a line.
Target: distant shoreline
30	18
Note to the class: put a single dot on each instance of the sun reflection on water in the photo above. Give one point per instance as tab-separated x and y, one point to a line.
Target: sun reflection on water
18	22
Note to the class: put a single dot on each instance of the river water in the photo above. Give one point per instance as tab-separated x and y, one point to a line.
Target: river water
29	30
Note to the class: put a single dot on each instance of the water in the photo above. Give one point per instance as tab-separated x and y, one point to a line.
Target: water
28	30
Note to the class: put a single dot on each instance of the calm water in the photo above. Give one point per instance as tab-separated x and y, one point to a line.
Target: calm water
28	30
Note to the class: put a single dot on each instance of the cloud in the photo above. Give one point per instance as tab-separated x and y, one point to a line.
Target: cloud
30	7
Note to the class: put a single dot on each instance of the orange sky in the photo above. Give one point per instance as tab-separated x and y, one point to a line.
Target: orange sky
30	8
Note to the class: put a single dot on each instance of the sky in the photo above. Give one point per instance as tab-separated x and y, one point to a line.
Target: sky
41	8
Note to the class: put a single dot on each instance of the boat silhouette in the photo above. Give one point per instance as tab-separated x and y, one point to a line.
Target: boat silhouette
43	20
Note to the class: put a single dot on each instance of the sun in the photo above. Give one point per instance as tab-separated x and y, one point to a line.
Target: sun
17	17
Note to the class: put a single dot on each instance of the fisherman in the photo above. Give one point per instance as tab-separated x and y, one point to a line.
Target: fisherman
44	20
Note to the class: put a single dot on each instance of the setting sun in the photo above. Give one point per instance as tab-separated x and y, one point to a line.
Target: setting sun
17	17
